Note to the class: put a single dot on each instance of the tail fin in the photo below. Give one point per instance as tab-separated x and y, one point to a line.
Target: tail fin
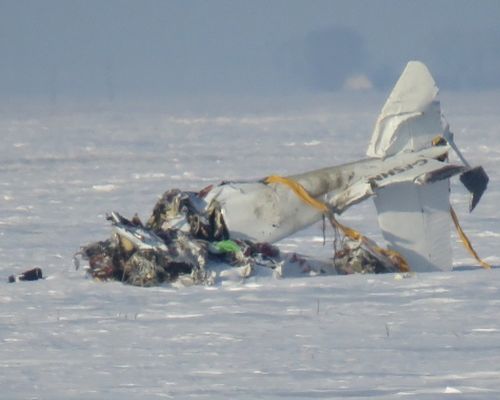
411	116
414	219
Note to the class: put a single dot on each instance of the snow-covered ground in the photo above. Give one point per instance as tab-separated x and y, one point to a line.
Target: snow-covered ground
64	165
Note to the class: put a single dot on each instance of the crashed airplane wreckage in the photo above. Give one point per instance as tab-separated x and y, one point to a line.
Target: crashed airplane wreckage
190	234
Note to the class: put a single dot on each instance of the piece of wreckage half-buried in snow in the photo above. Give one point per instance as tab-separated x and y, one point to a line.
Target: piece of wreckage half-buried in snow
189	234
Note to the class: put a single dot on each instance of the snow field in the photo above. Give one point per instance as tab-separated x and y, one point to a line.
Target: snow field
63	166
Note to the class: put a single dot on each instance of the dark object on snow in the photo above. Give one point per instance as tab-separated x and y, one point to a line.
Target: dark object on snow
30	275
476	181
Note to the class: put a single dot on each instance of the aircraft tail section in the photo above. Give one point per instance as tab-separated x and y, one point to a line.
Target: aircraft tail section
414	219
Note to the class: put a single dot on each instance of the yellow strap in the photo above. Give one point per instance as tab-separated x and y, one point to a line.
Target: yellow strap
393	255
396	258
465	240
302	193
299	190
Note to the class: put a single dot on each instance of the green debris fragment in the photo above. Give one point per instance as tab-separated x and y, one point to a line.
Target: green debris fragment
225	246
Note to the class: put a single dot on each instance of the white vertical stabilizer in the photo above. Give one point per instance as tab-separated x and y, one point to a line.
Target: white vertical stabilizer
411	116
414	219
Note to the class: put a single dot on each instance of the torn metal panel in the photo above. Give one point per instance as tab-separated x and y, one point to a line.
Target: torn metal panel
262	213
476	181
415	221
411	116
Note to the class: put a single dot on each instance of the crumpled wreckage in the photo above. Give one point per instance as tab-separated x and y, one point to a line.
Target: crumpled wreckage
181	242
190	235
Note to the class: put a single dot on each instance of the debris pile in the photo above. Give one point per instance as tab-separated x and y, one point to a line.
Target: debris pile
354	258
185	241
178	241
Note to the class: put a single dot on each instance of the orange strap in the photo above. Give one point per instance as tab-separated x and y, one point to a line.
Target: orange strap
299	190
396	258
465	240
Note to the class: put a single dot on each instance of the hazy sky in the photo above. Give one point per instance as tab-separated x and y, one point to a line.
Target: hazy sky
120	48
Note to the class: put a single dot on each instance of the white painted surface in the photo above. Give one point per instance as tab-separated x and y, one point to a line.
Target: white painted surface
415	221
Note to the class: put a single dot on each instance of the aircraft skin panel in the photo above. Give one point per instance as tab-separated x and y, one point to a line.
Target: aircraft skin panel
415	221
417	132
260	212
412	98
